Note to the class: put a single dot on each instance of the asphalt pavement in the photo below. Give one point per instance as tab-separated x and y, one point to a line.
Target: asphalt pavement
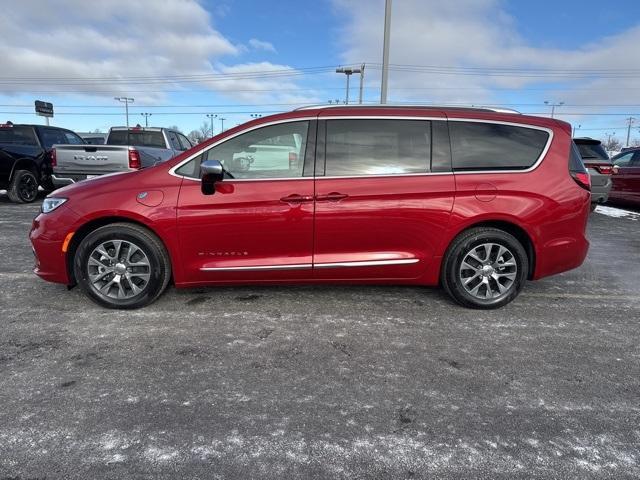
315	382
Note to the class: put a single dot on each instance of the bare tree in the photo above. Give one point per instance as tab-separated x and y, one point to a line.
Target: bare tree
196	136
612	144
176	128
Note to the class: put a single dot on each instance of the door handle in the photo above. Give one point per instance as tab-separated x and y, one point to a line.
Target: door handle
295	198
331	197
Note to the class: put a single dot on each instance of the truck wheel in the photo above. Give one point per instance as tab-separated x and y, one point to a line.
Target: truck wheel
23	187
484	268
122	265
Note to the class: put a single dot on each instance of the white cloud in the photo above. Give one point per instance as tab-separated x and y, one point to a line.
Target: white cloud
261	45
479	33
82	41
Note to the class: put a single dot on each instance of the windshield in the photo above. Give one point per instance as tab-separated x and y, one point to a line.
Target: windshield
136	138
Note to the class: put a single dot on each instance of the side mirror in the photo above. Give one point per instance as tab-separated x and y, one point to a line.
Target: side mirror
212	172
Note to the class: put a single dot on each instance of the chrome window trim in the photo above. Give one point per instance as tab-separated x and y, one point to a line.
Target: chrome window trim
172	171
536	164
302	266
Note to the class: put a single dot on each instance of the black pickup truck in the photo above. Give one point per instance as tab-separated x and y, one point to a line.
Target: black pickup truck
25	158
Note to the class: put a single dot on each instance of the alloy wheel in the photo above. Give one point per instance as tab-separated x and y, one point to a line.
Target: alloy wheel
488	271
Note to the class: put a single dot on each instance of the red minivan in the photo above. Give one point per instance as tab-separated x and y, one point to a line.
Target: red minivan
475	200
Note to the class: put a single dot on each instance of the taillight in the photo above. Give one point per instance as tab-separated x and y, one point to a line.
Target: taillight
583	179
602	168
53	157
134	159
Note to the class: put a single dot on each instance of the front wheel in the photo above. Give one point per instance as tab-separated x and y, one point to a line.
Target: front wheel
484	268
122	266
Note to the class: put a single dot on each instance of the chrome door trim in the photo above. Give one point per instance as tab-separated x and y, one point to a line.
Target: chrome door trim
367	263
293	266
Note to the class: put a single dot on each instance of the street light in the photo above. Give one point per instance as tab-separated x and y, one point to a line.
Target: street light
348	72
575	129
222	124
211	116
255	115
146	118
126	101
553	106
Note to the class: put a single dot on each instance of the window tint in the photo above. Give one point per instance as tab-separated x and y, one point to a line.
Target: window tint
490	146
184	141
276	151
52	136
592	151
18	136
377	147
576	165
624	160
173	140
73	139
136	138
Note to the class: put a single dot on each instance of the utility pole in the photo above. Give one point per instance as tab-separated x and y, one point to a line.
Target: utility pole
146	118
126	101
222	124
361	83
573	134
385	52
553	106
211	116
630	120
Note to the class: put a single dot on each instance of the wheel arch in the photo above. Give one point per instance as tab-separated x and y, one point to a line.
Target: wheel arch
510	227
25	164
88	227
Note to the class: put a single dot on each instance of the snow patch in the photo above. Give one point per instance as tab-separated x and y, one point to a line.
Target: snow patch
617	212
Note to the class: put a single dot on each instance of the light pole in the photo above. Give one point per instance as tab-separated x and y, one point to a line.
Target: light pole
348	72
222	124
211	116
126	101
146	118
255	115
575	129
553	106
385	52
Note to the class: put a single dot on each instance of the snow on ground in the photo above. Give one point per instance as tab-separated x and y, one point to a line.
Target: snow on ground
617	212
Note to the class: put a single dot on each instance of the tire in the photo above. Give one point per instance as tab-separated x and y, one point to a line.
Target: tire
130	258
23	187
47	184
593	206
499	276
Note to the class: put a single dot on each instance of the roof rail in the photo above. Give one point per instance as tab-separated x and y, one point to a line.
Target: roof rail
417	105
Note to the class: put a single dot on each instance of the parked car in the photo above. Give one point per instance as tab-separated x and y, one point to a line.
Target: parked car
475	200
93	138
626	181
25	158
600	168
124	150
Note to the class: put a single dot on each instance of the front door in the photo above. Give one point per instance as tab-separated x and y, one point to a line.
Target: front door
384	200
258	225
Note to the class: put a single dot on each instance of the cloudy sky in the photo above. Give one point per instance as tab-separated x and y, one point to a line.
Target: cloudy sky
182	59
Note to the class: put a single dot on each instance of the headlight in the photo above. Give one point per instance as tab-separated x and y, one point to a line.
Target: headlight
51	203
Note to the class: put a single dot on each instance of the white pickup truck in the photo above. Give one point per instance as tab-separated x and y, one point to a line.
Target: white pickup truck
124	150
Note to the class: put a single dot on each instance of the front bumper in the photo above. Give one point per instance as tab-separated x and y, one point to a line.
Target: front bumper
47	236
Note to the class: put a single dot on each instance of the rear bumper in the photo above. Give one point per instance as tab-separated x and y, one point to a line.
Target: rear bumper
600	186
66	179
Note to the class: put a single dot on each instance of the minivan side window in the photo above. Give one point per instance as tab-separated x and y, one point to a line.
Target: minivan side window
357	147
275	151
494	146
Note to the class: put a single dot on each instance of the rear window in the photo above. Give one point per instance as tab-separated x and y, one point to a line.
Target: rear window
575	160
18	136
136	138
491	146
592	151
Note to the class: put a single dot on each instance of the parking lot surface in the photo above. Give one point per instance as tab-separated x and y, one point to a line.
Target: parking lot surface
324	381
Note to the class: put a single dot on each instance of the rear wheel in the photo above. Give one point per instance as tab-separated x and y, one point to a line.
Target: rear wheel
122	266
484	268
23	187
593	206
